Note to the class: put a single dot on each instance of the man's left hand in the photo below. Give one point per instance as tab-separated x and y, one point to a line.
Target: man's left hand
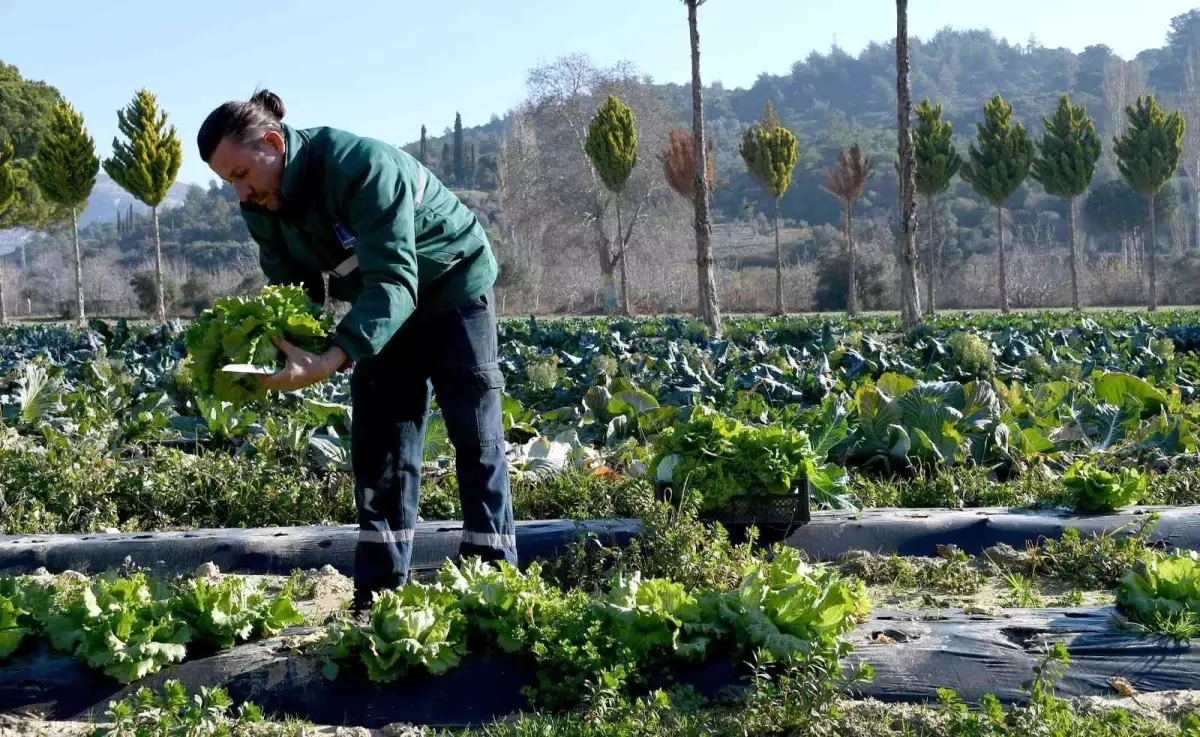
303	368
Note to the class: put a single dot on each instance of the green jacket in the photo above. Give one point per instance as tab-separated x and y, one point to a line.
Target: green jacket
390	236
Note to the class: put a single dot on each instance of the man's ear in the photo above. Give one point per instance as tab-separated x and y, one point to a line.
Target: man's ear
274	139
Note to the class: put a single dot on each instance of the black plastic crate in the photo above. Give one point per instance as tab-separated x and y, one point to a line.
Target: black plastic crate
766	509
778	513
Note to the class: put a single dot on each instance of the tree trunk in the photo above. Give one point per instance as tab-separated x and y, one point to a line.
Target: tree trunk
1196	203
778	265
621	260
3	310
608	281
1074	254
710	310
934	261
158	270
1153	259
852	264
910	298
78	265
1003	269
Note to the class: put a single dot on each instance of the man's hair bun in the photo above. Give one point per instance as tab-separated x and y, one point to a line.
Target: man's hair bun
270	102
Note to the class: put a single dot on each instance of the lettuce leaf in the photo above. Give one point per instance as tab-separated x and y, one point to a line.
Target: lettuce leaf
1162	586
239	330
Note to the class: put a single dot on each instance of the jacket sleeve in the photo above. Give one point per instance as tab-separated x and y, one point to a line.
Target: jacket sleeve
377	197
278	268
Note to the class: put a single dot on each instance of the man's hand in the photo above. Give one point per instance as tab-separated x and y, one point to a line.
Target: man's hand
303	368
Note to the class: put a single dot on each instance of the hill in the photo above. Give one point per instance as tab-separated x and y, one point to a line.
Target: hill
525	174
108	200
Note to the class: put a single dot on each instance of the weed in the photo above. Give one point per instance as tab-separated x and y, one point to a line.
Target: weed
1099	561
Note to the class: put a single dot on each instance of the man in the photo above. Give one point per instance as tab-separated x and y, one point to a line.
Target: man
418	268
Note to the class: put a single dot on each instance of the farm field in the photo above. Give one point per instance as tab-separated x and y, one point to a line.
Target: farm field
696	627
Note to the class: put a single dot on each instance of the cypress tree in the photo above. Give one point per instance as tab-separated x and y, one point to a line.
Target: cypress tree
998	166
65	170
770	152
937	164
611	146
447	163
1147	156
423	155
146	165
1065	165
460	176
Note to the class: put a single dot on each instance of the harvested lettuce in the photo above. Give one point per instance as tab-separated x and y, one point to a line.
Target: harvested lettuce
239	330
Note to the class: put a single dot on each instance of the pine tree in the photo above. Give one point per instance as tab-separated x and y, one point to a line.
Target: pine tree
146	165
611	146
460	176
424	153
1148	154
1065	165
65	170
710	309
998	167
846	181
937	165
8	195
770	152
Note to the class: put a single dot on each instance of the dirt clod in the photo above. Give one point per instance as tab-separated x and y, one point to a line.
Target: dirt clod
208	570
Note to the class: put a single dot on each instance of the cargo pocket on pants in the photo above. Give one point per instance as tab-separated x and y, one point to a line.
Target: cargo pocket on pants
488	394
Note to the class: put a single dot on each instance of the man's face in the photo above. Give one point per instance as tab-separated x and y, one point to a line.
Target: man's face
254	170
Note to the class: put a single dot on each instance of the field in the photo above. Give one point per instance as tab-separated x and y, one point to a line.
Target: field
1049	413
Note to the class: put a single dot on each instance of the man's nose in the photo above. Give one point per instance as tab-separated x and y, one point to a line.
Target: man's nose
243	191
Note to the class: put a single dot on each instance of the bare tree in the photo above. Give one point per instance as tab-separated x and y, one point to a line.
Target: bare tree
846	181
562	98
710	311
1124	82
1191	133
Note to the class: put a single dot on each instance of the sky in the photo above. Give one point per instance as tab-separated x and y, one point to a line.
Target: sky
383	68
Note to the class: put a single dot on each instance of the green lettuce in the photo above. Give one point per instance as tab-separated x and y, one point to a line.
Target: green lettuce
225	613
12	629
118	625
415	627
1097	490
791	608
655	613
1161	587
499	601
240	329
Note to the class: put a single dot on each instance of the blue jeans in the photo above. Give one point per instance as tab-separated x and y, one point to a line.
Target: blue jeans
454	352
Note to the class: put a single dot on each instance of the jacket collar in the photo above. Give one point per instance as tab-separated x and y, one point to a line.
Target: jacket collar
293	185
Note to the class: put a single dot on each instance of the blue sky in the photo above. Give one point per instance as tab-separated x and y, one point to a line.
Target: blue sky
382	68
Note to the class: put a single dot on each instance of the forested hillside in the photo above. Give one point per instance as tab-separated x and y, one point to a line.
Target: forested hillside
526	174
